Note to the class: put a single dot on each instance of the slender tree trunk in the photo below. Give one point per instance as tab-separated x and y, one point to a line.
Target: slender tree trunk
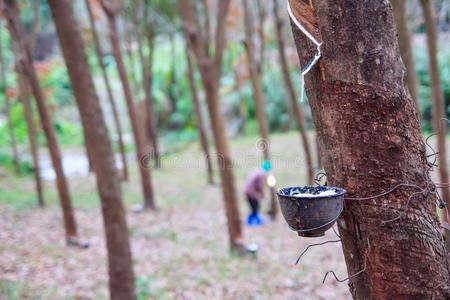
210	71
372	141
12	132
147	76
258	96
439	107
198	112
26	63
141	155
406	50
121	276
291	93
112	101
24	95
224	161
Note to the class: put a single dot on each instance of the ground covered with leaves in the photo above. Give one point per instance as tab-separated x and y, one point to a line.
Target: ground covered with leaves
180	252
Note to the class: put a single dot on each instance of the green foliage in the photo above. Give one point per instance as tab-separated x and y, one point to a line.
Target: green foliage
19	124
143	287
12	290
55	80
18	198
7	161
425	95
275	99
69	133
164	82
17	290
179	138
27	14
145	291
164	14
5	42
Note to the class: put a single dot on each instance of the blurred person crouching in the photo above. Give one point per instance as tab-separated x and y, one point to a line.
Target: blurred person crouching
254	192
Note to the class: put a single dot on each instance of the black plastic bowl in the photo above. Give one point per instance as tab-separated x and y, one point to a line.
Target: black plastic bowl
311	216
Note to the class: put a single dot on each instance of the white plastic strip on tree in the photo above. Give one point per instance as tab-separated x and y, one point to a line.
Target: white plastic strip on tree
316	57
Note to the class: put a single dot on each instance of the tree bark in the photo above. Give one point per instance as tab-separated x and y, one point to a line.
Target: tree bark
141	155
147	82
12	132
372	141
439	107
112	101
11	11
319	151
210	70
198	112
406	50
258	96
291	93
24	95
121	276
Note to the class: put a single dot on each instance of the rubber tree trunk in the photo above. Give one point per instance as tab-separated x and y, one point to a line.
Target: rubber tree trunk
147	77
199	116
139	137
406	50
372	141
12	132
439	107
291	93
210	71
24	95
258	96
120	263
111	99
26	64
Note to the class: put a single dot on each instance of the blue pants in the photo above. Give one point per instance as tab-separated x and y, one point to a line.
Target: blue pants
254	219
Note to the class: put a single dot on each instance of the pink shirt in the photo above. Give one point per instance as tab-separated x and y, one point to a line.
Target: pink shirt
254	187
